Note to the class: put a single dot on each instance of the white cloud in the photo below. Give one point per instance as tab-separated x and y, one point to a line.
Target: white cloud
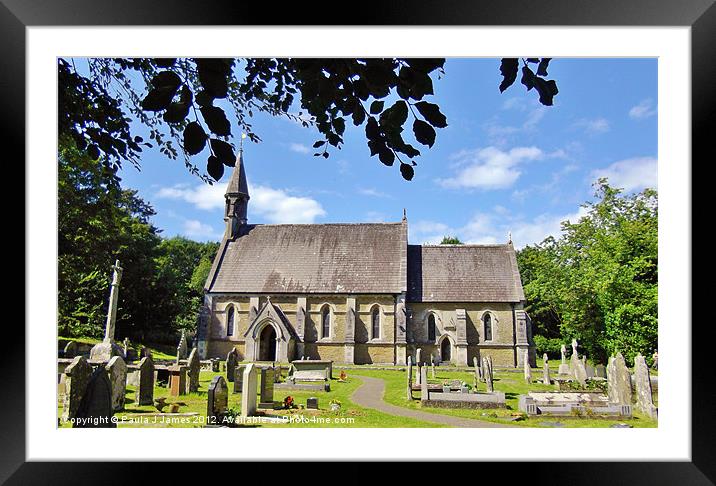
489	229
280	208
644	109
299	148
489	168
202	196
275	205
369	191
196	229
593	127
631	174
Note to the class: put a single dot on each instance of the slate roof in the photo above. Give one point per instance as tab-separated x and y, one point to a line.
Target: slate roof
313	258
237	184
463	273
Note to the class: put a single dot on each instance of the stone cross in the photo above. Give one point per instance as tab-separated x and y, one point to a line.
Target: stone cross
574	347
117	374
545	370
642	383
113	295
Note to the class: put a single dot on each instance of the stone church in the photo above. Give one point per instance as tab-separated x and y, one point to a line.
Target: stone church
357	293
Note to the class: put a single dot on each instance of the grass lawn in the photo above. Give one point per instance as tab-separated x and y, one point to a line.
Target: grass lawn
352	415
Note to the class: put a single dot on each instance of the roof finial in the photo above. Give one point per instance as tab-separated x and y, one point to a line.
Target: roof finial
509	237
405	215
241	143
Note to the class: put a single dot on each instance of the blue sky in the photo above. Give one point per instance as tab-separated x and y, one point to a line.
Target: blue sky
504	164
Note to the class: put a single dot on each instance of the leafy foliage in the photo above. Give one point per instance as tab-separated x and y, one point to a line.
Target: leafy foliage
185	103
451	240
98	222
598	282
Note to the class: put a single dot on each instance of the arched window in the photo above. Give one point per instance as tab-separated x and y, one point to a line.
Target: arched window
375	322
230	321
325	322
431	327
487	320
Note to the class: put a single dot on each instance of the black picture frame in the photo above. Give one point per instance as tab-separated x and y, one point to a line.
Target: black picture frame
700	15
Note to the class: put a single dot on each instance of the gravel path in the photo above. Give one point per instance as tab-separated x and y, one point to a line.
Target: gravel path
370	395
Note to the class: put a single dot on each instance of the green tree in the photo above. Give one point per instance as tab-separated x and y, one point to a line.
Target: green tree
451	240
599	282
184	103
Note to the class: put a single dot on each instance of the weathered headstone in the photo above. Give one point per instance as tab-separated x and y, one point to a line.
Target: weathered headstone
432	370
409	379
417	357
266	391
642	383
528	369
178	380
545	370
217	400
419	374
232	358
125	347
194	368
487	373
117	374
248	393
239	378
655	357
424	393
182	347
77	376
618	381
70	350
564	368
95	409
563	350
312	403
478	370
145	388
107	348
576	366
600	371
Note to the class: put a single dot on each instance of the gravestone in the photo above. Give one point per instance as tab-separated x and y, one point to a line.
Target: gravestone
409	376
70	350
424	393
563	366
117	374
107	348
248	391
618	381
655	357
489	362
194	368
217	401
545	370
231	360
642	383
419	374
417	356
577	367
432	370
182	347
478	370
178	380
239	378
145	388
312	403
528	369
266	390
77	375
95	409
600	371
487	373
563	350
125	347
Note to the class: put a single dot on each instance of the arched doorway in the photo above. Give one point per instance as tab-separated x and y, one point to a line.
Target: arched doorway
445	350
267	344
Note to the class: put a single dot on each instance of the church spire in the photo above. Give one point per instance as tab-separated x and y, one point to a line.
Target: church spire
237	196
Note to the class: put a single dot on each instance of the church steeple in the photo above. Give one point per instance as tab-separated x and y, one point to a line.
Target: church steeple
237	197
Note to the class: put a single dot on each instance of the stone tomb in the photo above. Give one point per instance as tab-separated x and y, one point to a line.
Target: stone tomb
218	400
571	404
310	370
117	374
95	409
266	390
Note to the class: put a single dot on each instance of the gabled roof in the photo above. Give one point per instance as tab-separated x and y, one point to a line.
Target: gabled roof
463	273
313	258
